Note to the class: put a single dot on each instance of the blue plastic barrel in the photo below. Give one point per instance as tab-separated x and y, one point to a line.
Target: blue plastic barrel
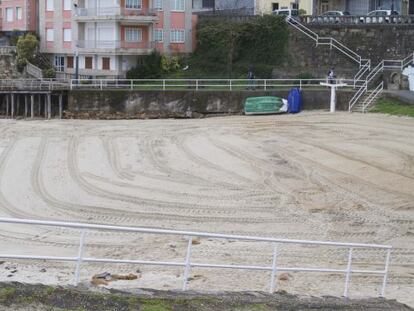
294	101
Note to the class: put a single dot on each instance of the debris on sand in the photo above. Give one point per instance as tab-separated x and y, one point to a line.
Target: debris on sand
105	278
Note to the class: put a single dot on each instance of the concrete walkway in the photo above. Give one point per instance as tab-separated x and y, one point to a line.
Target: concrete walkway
404	96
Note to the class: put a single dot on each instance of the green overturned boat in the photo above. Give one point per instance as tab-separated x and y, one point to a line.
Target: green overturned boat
265	105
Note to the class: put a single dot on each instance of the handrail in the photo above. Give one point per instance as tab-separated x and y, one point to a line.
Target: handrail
372	96
188	263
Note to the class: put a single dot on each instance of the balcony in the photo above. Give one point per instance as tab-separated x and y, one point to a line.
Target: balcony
143	15
116	47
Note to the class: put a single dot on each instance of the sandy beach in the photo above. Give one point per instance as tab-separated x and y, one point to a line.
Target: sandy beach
318	176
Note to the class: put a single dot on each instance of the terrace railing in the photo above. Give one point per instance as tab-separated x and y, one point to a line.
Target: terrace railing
188	263
200	84
7	50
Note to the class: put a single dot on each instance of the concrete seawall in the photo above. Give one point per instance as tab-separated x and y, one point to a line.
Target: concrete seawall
155	104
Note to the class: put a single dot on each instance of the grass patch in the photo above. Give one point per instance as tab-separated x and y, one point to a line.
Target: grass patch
393	107
155	305
7	294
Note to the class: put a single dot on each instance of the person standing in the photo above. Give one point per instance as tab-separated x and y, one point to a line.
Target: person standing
331	76
250	78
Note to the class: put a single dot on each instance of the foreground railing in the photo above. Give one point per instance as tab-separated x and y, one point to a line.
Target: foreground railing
200	84
187	264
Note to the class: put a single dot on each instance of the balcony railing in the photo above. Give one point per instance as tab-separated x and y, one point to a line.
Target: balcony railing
94	44
114	11
361	20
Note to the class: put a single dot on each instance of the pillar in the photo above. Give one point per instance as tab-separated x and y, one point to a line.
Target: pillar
26	100
60	106
49	106
39	103
7	106
12	105
32	100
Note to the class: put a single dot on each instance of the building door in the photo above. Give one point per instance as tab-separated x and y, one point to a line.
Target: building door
324	6
88	62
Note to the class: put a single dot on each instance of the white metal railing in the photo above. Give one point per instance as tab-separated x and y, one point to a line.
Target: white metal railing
187	264
371	97
33	84
114	11
7	50
34	71
114	44
331	42
200	84
357	19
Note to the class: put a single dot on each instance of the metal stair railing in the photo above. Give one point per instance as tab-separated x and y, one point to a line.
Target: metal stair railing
34	71
371	96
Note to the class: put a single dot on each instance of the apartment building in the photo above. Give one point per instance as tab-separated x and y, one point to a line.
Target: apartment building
18	15
109	36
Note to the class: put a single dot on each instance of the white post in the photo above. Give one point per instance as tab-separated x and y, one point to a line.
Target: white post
80	255
132	84
187	263
300	84
333	98
231	86
274	270
163	85
101	85
384	281
348	273
265	84
196	84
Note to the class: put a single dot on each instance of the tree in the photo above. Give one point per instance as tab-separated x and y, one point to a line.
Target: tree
26	47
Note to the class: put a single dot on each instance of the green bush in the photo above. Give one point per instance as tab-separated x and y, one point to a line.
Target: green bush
49	73
26	48
227	48
150	68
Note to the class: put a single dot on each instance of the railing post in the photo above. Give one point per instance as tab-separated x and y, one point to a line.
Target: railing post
230	85
196	84
187	263
300	84
163	84
132	84
80	255
265	84
101	84
274	269
384	281
348	273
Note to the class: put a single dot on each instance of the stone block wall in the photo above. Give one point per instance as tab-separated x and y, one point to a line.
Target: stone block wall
175	104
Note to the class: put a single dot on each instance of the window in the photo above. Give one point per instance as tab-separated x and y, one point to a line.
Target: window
9	14
177	5
50	35
49	5
60	63
275	6
106	63
158	35
69	62
88	62
294	6
158	5
67	5
207	4
133	4
67	35
133	34
19	14
177	36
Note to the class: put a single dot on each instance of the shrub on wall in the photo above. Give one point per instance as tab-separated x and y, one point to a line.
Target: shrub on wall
149	69
227	47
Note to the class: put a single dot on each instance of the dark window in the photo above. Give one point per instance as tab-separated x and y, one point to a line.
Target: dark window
106	63
88	62
275	6
69	60
208	4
